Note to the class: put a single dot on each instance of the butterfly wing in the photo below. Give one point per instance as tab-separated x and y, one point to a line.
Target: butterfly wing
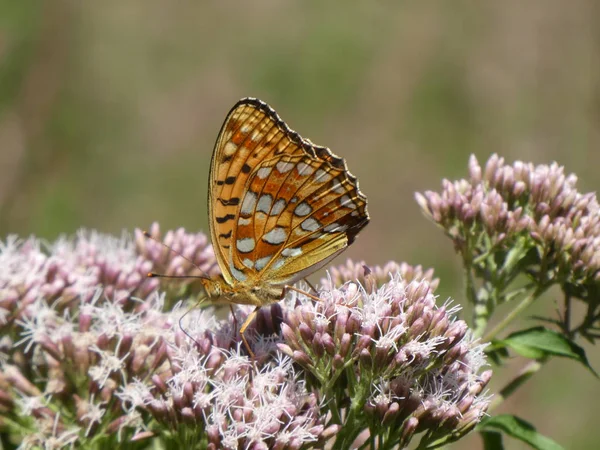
281	206
298	217
249	135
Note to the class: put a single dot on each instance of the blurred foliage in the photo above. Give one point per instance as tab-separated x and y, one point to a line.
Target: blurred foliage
109	111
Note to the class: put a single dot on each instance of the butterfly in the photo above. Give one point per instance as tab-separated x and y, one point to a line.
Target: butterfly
280	207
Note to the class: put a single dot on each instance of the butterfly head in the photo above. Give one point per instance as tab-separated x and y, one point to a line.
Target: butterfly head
214	287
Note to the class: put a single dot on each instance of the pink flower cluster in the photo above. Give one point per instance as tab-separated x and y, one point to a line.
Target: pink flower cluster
525	206
420	363
92	349
376	275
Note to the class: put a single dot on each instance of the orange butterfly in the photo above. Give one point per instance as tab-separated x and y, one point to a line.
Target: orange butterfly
279	207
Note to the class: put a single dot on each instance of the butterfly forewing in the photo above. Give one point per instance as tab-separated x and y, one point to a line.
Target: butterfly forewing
280	206
247	137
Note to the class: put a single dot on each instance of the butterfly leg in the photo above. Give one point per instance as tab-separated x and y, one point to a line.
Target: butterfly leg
310	285
235	322
247	322
287	288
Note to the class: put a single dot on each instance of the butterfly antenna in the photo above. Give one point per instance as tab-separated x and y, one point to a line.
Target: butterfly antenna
158	275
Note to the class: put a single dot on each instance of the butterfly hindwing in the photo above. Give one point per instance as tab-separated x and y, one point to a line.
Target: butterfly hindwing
325	216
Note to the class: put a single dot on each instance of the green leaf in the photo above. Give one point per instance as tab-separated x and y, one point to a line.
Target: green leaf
518	429
539	342
492	440
497	353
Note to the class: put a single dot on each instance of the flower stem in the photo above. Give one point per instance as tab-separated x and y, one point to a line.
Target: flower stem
528	371
513	315
353	426
335	410
567	317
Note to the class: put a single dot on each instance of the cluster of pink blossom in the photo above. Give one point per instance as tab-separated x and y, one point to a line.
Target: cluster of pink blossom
419	363
365	275
92	351
535	209
68	271
179	253
106	372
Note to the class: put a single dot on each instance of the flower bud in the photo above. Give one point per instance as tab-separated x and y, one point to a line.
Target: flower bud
187	416
341	323
408	430
474	170
289	336
302	358
22	384
345	342
317	345
338	362
457	331
381	408
328	343
363	343
114	426
391	413
330	431
51	348
160	384
306	333
285	349
481	383
417	328
160	355
352	324
382	356
124	345
140	358
140	436
365	358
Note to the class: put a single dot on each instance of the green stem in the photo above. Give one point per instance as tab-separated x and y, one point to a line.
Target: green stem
480	310
368	444
483	256
528	371
567	317
513	314
335	411
516	293
469	284
353	425
329	382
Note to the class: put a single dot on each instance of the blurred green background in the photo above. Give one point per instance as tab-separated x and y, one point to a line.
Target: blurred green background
109	111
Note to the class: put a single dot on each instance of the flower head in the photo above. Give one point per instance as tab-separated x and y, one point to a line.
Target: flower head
375	275
133	366
521	218
421	354
178	252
